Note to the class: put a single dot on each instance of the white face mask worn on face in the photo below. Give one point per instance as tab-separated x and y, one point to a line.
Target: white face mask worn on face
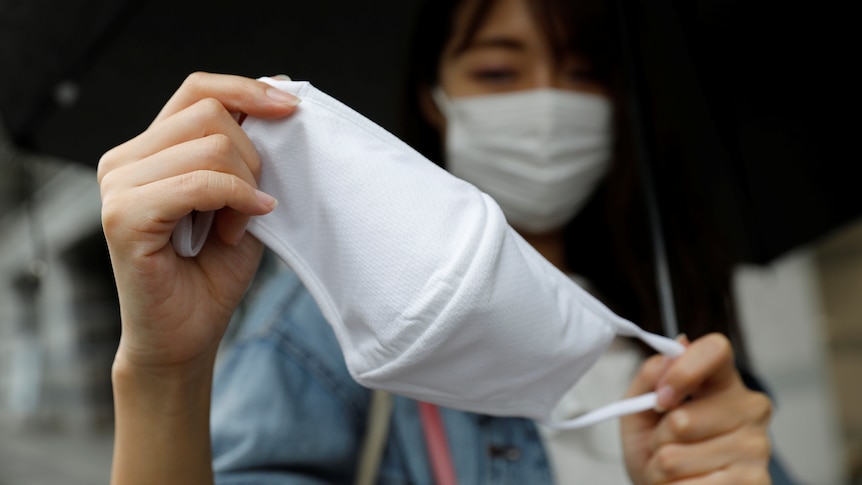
539	153
430	293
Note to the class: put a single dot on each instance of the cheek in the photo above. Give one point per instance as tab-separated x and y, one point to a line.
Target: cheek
455	81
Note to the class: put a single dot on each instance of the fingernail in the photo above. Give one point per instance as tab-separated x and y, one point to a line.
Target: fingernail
681	420
683	339
267	200
282	97
664	398
281	77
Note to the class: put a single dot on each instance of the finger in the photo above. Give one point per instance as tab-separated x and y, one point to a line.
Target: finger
230	225
742	448
204	118
215	153
648	375
709	358
237	94
704	418
148	214
737	475
651	371
636	428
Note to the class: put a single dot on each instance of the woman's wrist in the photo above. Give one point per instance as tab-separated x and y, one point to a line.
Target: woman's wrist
166	390
162	422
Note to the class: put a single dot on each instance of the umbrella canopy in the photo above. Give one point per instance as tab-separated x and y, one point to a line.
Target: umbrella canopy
750	94
85	75
750	100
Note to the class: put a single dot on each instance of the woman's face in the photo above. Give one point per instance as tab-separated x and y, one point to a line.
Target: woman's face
509	53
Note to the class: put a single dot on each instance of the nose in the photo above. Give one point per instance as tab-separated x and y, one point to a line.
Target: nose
544	76
548	75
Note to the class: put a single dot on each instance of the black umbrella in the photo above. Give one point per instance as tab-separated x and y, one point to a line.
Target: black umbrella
752	98
756	96
751	93
81	76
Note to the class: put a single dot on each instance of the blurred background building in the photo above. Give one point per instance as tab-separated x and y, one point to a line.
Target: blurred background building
58	323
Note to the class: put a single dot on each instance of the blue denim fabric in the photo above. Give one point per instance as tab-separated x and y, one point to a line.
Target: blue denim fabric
286	411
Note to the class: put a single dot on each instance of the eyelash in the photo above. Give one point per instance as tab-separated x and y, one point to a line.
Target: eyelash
494	75
507	75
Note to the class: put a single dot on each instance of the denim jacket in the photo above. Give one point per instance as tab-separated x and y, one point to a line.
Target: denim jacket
286	411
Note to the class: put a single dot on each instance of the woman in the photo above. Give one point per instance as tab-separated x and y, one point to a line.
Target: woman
284	407
467	97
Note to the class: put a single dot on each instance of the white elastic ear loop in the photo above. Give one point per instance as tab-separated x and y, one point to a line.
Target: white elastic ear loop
442	101
613	410
632	405
191	233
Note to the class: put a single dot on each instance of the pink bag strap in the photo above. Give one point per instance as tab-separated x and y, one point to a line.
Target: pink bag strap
439	455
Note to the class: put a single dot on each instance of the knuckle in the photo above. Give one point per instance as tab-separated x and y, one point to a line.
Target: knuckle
751	447
668	461
102	170
721	345
106	163
189	184
207	109
193	184
195	78
210	186
105	183
232	187
760	447
762	405
217	145
113	215
102	167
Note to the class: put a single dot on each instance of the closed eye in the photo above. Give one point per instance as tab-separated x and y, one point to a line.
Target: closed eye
495	76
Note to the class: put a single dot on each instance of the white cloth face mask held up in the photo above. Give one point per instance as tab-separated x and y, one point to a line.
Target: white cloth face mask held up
539	153
431	294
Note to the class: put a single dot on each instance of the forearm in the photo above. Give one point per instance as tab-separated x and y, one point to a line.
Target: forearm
162	426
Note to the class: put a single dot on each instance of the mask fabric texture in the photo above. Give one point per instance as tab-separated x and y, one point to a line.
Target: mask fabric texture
431	294
539	153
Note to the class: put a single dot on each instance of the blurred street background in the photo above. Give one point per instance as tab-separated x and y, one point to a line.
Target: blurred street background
49	457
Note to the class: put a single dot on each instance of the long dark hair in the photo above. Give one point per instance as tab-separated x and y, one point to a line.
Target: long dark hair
608	242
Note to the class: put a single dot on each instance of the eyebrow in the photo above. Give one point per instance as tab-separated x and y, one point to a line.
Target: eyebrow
496	42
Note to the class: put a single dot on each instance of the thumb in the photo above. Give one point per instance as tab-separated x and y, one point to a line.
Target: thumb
236	93
645	381
648	376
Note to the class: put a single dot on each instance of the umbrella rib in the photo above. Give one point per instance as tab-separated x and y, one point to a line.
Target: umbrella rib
663	280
